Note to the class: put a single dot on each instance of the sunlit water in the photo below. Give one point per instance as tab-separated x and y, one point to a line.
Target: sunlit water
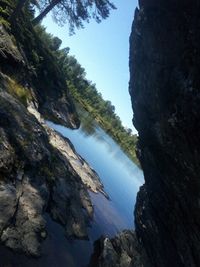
121	179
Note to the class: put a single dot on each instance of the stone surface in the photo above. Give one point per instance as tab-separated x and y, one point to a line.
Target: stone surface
9	52
120	251
38	176
87	175
164	86
18	49
40	171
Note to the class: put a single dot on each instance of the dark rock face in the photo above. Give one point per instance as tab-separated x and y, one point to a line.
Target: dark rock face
47	83
164	87
120	251
8	51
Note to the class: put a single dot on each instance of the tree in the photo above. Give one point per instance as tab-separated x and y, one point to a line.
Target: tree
73	12
20	4
51	42
128	130
56	43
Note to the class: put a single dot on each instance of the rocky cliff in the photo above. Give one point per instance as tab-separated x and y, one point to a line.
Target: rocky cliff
164	87
40	172
26	58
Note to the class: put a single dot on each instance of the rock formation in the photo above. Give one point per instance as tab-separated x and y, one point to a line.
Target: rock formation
40	171
120	251
164	88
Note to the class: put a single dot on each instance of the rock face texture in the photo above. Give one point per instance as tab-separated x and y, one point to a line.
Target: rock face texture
37	178
40	172
35	68
164	86
120	251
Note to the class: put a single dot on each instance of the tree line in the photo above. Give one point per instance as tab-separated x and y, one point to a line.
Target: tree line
103	111
83	90
87	95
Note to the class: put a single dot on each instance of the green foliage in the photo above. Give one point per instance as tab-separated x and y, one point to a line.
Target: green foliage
75	12
104	114
86	94
51	42
71	12
5	23
15	89
39	47
5	11
51	68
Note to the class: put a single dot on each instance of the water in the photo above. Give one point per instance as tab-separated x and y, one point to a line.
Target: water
121	179
120	176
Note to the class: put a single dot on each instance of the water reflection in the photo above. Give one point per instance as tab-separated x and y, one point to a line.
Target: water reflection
121	179
88	124
120	176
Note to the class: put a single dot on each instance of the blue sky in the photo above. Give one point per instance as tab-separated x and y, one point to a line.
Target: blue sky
103	50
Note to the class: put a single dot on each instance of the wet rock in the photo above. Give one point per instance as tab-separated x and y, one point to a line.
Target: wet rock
120	251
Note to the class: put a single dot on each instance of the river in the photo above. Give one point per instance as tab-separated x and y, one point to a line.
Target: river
121	179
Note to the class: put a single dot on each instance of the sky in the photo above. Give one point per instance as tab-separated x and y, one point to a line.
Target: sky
103	50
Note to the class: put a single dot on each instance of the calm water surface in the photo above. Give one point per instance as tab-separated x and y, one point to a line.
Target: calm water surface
120	176
121	179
